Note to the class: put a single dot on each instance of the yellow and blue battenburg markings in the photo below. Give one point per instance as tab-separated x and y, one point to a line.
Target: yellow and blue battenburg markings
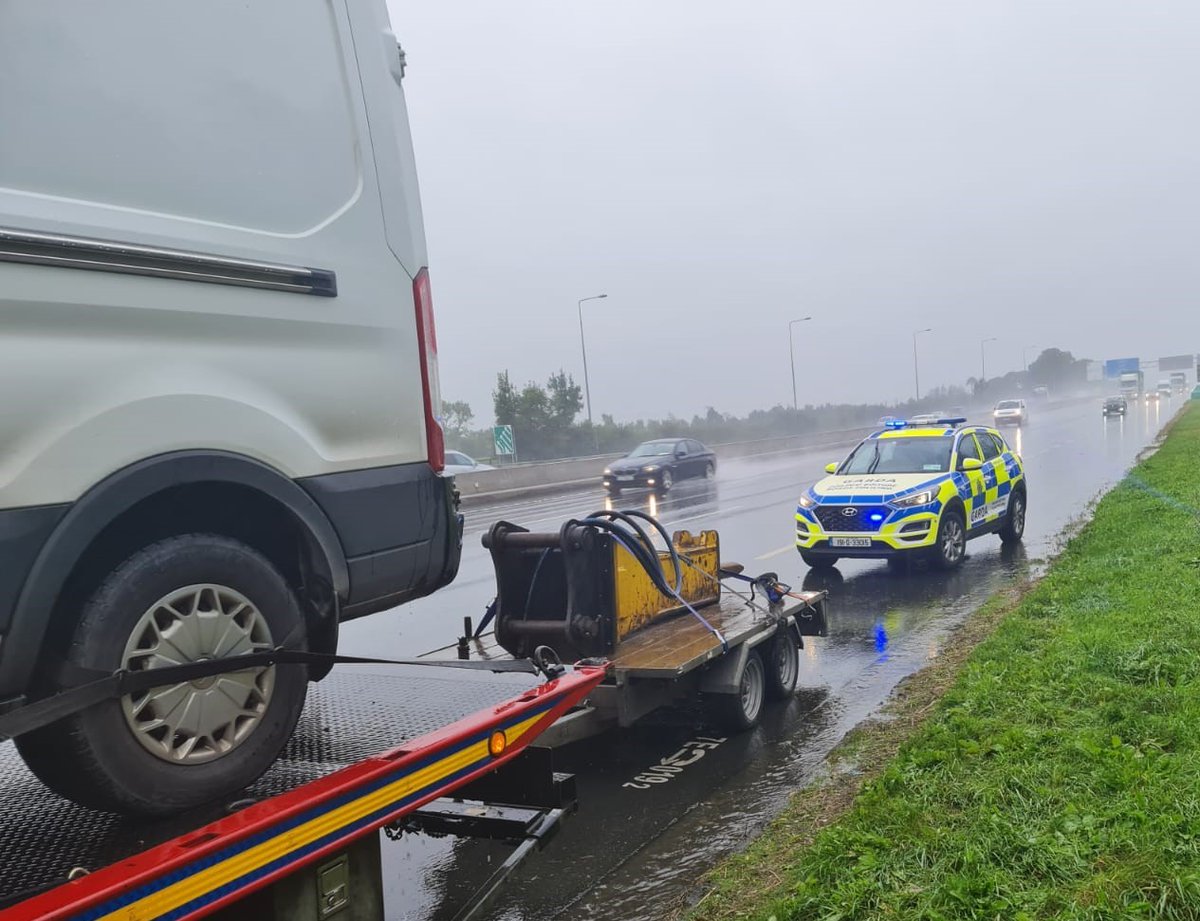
883	517
345	806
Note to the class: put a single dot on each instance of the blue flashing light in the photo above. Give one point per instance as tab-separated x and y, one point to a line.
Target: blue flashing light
953	421
876	517
896	423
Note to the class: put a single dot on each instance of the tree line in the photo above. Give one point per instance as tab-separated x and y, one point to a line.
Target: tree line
544	416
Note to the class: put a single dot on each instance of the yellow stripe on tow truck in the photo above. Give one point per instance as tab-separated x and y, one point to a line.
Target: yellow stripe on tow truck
181	893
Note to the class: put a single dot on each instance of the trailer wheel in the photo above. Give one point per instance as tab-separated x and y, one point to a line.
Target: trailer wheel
183	599
783	667
741	711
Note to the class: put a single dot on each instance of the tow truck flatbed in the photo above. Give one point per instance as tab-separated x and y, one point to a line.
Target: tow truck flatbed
370	749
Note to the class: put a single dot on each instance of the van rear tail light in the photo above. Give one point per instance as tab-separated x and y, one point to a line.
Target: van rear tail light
431	389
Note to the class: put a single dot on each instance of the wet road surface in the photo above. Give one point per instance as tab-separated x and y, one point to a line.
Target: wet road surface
636	849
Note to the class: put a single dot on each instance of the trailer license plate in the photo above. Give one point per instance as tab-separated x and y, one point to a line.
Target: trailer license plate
864	542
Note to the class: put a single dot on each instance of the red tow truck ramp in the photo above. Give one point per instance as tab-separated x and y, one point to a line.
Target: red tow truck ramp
302	810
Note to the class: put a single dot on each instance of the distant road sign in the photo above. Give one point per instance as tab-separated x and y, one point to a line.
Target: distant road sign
506	444
1115	367
1177	363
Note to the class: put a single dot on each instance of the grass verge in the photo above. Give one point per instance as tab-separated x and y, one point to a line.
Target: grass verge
1053	770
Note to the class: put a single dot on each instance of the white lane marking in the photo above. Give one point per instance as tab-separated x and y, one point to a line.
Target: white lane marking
774	553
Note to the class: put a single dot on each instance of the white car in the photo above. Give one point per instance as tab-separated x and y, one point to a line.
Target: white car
458	463
928	418
1010	412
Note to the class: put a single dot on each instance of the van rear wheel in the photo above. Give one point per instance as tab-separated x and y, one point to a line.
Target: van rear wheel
184	599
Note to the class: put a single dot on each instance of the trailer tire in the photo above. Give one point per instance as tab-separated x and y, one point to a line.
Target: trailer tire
742	710
783	666
175	598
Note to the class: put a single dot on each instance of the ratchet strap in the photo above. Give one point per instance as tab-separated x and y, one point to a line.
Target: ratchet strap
96	686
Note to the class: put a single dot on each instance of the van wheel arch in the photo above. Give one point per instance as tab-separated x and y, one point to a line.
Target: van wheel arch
161	496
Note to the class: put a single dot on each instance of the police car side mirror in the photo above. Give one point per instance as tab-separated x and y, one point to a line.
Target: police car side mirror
831	468
970	463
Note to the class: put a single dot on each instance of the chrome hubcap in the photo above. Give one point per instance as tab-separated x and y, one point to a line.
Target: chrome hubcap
952	543
667	479
196	721
1019	515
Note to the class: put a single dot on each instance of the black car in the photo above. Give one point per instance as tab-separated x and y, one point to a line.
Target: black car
1115	406
659	465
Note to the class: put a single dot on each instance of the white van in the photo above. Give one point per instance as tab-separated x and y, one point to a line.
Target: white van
219	422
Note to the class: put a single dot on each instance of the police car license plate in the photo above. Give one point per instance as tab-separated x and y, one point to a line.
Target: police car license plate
850	542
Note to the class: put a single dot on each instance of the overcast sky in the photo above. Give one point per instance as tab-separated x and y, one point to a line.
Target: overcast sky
1024	170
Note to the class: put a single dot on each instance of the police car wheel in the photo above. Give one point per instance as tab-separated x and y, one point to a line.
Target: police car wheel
818	560
951	544
1014	522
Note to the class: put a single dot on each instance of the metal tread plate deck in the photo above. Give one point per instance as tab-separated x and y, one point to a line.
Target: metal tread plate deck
677	644
349	717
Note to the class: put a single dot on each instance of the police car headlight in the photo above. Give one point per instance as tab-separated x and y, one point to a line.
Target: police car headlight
917	498
807	502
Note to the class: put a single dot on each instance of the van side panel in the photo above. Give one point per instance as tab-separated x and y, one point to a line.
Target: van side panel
240	132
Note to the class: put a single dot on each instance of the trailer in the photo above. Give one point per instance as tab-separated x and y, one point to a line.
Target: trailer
727	640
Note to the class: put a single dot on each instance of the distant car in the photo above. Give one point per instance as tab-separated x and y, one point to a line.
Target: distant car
1042	393
928	418
1115	406
1151	395
1165	388
1010	412
458	463
659	465
914	491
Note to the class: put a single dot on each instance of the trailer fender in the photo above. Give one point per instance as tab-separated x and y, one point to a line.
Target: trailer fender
724	676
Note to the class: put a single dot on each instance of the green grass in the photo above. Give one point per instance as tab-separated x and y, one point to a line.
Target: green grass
1059	774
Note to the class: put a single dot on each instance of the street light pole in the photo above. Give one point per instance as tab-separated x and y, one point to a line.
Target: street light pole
792	356
916	369
587	390
983	358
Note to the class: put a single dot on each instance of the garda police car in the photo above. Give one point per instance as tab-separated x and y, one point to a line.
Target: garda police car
914	490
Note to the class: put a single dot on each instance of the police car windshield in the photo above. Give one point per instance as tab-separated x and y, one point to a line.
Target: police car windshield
900	455
653	449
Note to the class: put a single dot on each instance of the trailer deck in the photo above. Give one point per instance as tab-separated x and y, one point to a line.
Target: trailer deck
370	747
674	646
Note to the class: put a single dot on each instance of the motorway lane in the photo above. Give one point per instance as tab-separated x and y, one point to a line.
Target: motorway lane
630	852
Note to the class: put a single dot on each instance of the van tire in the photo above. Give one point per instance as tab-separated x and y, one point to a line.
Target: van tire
97	757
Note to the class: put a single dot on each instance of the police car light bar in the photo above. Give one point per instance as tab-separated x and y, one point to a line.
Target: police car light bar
895	423
952	422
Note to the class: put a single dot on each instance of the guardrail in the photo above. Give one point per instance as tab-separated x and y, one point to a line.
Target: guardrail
548	476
